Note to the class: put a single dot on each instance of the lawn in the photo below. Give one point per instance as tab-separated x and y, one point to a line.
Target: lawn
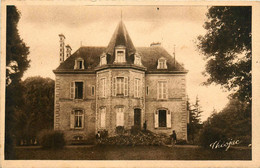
132	153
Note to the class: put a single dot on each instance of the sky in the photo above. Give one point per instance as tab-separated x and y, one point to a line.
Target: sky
39	27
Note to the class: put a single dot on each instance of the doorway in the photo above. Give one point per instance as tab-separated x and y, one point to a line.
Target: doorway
137	118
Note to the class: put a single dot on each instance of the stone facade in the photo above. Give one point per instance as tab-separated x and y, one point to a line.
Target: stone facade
101	88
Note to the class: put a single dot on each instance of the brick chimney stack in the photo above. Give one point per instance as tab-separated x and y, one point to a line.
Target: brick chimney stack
68	51
62	45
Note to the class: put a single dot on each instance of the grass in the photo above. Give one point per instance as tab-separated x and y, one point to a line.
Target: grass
132	153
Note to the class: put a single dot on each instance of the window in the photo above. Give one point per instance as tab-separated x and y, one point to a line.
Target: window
79	64
162	64
120	116
76	90
120	55
77	119
103	87
120	86
137	59
162	118
103	117
92	90
137	87
162	90
103	60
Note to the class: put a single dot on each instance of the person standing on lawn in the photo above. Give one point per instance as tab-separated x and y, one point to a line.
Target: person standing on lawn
98	137
173	138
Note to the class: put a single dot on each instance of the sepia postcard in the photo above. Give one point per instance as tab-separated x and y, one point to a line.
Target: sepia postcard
103	83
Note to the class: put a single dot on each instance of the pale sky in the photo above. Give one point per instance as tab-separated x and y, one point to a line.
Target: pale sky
39	27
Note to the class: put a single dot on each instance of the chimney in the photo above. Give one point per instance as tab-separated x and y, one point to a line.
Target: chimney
68	51
62	44
155	44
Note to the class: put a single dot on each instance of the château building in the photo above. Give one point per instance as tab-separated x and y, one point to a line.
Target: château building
101	88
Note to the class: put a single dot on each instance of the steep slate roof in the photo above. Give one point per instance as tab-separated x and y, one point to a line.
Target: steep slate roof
120	37
149	57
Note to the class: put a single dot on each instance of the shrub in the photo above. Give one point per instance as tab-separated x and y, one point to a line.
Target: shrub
120	130
134	130
52	139
104	133
209	135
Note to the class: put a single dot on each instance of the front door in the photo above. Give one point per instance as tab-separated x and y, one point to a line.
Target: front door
137	118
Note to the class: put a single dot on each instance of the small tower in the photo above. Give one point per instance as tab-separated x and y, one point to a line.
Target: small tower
62	45
68	51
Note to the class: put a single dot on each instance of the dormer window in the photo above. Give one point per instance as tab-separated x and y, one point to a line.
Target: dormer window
137	59
120	54
162	63
79	64
103	59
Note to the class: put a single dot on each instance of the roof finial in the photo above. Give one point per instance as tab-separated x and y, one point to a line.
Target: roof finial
121	15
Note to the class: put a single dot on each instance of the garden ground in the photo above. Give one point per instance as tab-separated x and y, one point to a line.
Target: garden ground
179	152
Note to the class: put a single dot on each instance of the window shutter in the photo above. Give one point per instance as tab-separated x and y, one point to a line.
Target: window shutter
139	88
156	119
103	118
83	67
126	86
72	90
72	119
83	118
75	65
169	119
166	85
114	86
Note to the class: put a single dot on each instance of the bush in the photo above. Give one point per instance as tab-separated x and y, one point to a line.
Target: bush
209	135
138	138
134	130
52	139
103	133
120	130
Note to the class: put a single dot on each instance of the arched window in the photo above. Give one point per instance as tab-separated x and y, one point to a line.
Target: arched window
162	63
79	63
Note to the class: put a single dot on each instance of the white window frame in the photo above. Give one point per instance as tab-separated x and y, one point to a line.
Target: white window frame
137	88
120	116
103	87
162	63
120	49
162	90
73	119
125	86
76	66
103	117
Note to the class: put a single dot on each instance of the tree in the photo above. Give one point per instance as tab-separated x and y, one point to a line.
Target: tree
16	64
230	123
37	111
227	48
194	119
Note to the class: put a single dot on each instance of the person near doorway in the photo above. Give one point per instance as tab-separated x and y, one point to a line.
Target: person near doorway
173	138
145	125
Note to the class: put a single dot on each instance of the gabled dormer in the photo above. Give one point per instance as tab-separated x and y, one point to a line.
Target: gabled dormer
103	59
137	59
